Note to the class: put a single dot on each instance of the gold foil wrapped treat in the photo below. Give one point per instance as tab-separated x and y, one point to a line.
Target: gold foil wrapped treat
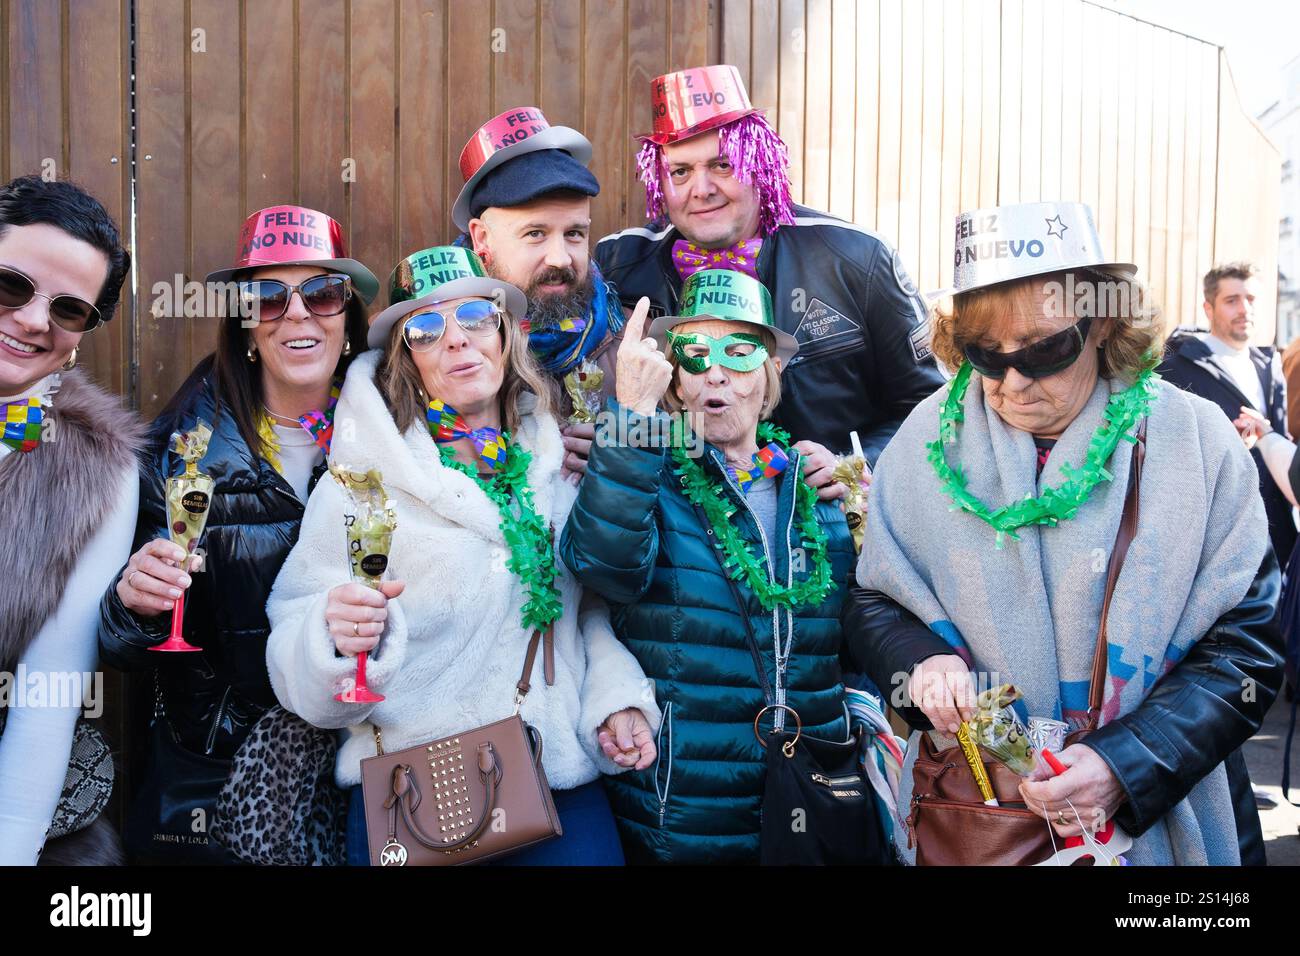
997	729
371	524
583	385
189	494
851	471
972	754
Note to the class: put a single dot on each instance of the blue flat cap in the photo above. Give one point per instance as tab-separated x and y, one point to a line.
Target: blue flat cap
530	176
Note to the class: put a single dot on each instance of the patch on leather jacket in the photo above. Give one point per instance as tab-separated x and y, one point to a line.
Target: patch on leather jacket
919	339
901	277
823	328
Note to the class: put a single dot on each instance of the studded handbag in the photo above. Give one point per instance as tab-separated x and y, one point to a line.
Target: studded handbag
465	798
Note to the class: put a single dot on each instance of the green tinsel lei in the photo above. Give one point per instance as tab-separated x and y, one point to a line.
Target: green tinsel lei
740	563
1123	411
532	558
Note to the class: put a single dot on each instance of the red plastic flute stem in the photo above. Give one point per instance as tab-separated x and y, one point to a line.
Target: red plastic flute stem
178	616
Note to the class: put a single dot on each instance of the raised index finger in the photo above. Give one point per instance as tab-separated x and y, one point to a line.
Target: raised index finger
634	331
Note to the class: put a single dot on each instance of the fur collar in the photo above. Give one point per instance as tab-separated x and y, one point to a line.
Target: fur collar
365	437
55	497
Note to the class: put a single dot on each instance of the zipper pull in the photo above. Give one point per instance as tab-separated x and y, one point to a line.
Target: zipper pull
662	804
216	720
824	781
911	820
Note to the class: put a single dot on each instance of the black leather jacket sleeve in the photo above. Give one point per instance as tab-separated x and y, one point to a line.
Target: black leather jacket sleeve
124	636
886	641
1206	707
900	372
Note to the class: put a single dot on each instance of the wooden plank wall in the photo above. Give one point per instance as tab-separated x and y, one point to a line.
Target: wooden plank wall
898	115
901	113
360	109
1249	183
64	88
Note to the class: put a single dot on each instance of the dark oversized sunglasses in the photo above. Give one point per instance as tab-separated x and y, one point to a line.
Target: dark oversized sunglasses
1045	357
474	316
66	311
268	299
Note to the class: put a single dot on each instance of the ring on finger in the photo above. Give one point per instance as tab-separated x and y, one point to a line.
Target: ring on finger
356	629
1060	818
130	578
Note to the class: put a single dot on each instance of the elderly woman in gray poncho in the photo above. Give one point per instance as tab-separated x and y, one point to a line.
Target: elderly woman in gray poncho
990	526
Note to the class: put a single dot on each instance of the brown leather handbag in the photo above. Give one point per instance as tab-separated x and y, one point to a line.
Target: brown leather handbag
949	823
466	798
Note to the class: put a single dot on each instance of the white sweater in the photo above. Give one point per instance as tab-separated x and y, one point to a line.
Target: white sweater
453	646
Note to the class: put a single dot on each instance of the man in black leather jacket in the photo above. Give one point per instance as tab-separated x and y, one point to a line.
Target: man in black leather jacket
864	359
1195	717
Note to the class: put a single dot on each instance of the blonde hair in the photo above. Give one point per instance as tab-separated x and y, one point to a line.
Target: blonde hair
672	399
399	381
1134	337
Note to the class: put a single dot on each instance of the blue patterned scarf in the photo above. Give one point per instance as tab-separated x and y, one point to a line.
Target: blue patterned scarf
560	350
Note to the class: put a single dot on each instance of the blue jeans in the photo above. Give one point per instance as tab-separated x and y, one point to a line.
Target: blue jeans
590	834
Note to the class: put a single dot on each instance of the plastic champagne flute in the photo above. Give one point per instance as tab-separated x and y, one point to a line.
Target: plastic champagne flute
368	556
189	496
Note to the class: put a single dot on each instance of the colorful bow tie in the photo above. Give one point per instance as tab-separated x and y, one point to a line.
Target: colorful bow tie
320	425
768	463
23	423
571	324
446	425
742	257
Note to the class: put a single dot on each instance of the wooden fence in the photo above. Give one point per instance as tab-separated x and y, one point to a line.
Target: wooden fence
898	115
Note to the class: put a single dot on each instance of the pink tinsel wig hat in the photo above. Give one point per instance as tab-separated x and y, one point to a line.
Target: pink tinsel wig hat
690	102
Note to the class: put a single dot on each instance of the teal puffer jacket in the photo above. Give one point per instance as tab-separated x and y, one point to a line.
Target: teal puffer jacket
635	538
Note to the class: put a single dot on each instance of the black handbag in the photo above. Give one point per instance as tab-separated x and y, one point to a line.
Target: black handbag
818	806
169	818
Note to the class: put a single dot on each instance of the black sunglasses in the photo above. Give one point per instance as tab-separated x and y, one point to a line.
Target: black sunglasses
67	311
1045	357
268	299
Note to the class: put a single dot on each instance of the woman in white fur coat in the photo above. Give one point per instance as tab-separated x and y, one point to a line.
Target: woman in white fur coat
446	634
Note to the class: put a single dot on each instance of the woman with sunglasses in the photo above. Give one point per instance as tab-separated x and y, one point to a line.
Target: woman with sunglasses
67	480
451	409
994	520
296	317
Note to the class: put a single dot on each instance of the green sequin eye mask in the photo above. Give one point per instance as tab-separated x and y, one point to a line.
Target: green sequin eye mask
740	351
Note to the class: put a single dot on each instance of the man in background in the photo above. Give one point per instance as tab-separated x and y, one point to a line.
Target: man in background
1222	366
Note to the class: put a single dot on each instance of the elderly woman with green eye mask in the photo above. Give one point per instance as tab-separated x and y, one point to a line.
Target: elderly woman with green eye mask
724	568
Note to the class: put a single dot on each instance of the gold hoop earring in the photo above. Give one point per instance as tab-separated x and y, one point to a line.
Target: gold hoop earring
252	354
347	346
71	363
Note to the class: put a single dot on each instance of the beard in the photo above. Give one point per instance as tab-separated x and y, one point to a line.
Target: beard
547	310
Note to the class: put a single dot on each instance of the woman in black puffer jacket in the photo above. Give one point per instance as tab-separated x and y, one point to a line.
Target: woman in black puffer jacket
308	307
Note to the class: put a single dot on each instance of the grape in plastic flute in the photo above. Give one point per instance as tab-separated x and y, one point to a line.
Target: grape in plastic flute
189	496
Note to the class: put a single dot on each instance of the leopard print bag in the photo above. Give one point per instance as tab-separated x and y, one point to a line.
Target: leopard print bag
280	806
